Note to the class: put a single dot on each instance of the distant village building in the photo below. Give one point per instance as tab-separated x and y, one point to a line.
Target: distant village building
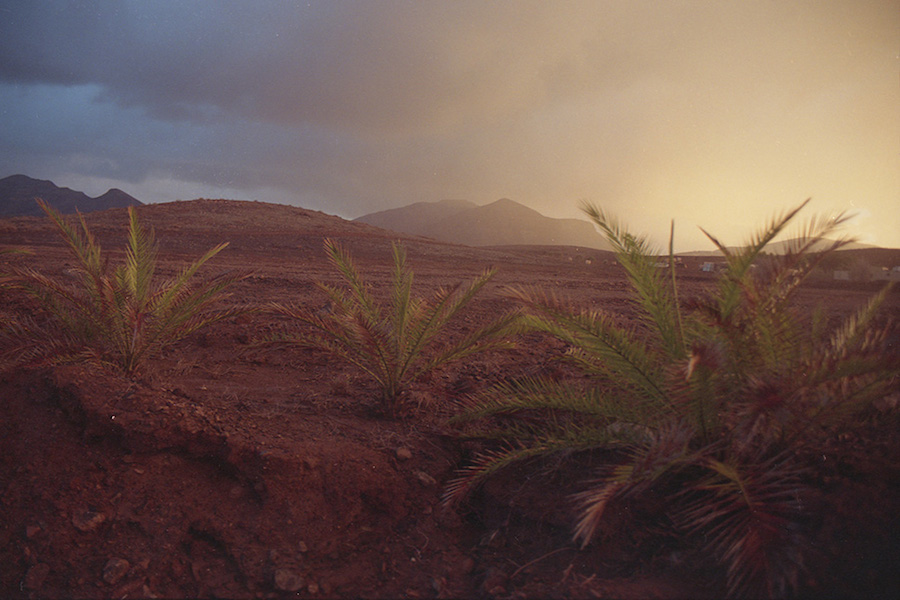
868	274
713	266
664	263
884	274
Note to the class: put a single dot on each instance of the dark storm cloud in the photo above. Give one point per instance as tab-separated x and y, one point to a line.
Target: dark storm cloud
354	64
366	105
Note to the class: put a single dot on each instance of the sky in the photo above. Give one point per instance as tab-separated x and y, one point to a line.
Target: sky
714	114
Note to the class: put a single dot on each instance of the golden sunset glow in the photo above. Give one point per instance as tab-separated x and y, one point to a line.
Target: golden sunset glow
715	114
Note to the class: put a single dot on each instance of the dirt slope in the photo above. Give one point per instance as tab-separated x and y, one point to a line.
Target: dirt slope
233	471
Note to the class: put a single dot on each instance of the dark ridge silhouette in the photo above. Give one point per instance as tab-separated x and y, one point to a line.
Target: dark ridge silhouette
501	223
18	193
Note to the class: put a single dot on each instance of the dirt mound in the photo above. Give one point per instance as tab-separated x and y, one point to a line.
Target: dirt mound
227	470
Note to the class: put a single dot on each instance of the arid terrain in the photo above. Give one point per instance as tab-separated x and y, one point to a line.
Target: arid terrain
232	470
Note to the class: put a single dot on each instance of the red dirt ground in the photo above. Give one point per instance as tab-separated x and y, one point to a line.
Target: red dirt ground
233	471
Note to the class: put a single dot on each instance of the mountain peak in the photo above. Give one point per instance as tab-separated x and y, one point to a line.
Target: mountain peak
503	222
18	193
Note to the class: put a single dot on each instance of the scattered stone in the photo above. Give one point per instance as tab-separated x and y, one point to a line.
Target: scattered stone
36	575
115	570
177	568
439	585
425	479
404	453
288	581
495	581
467	565
127	589
87	520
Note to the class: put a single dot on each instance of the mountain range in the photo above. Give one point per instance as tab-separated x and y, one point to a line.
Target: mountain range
18	193
500	223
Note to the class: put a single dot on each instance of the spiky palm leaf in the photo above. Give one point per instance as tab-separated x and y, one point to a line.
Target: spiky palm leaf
598	344
749	512
122	317
394	344
658	300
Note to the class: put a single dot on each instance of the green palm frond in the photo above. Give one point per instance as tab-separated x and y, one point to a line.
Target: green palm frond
739	262
662	454
599	345
640	259
543	409
485	465
748	513
359	290
854	331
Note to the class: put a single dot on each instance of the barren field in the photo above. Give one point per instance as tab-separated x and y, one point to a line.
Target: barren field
231	470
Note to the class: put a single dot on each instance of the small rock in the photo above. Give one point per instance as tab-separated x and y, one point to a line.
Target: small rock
127	589
288	581
404	453
115	570
302	547
36	576
439	584
467	565
87	520
312	588
177	569
32	530
425	478
235	492
494	581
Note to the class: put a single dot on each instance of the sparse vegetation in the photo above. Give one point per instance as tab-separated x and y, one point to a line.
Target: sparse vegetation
723	439
394	343
716	402
120	317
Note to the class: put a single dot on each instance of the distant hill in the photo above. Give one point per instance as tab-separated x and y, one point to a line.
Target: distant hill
501	223
418	218
17	194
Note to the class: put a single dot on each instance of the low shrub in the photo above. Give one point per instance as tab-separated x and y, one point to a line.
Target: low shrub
394	343
118	317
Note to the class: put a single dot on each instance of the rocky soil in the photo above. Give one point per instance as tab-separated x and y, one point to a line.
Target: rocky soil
229	470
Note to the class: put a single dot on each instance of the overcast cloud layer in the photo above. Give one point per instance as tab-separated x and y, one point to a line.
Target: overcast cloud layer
718	114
